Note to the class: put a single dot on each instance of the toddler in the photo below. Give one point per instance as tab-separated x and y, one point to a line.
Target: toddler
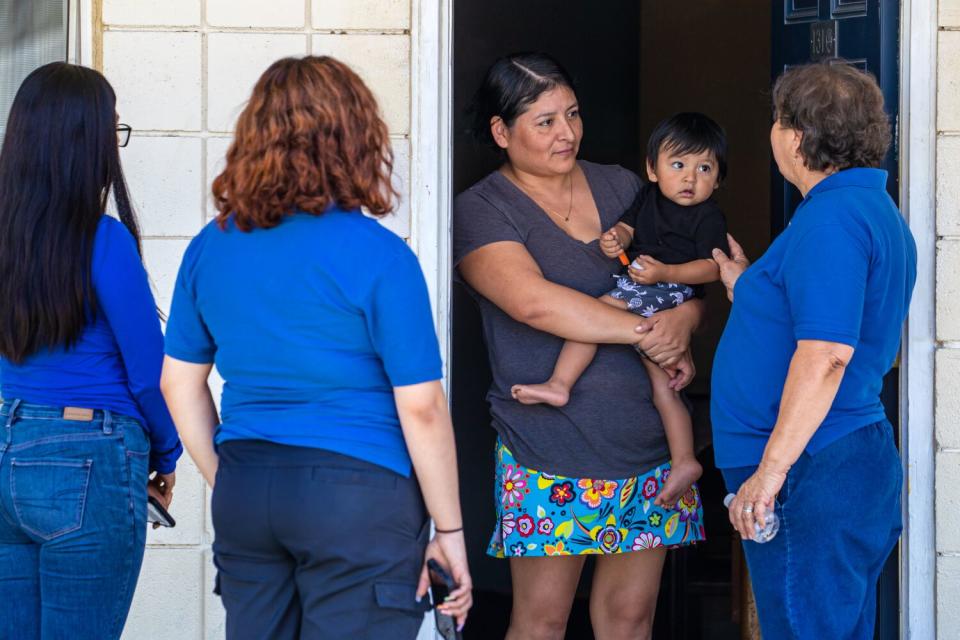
669	232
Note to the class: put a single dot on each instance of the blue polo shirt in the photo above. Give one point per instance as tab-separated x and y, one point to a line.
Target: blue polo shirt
311	324
843	271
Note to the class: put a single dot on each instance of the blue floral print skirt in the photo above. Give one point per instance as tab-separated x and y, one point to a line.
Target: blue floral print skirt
544	515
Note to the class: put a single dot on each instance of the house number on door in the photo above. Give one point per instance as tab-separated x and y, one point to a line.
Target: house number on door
823	40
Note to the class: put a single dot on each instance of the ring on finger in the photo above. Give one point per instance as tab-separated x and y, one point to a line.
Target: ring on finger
748	508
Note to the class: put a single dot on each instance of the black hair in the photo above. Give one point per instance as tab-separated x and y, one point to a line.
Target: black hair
58	165
510	86
689	132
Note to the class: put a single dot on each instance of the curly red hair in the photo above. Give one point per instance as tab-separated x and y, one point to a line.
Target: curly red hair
310	136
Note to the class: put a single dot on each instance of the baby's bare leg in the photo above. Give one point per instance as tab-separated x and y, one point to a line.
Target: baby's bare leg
685	470
573	360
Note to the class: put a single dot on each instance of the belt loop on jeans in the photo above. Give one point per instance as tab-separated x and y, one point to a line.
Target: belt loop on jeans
13	412
107	422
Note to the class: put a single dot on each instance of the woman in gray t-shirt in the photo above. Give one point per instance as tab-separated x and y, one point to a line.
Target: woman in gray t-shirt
581	479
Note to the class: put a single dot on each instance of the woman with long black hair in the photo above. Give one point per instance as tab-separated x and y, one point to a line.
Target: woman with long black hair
83	421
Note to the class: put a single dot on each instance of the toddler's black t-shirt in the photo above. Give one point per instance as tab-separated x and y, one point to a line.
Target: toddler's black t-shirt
672	233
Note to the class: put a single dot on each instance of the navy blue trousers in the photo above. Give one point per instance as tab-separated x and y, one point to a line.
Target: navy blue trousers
839	520
313	544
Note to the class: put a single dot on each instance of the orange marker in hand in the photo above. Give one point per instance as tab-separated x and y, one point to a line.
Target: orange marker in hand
624	260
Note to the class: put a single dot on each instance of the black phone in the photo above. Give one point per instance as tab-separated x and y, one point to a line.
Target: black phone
441	585
157	514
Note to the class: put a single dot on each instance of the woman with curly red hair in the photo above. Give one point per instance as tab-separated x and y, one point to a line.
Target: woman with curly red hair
334	429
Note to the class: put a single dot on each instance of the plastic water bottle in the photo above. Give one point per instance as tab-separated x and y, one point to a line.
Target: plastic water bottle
767	531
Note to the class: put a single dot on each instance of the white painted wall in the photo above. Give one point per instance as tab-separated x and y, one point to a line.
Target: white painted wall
948	322
182	70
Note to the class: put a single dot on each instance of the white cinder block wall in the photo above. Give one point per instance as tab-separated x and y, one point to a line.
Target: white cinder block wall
182	70
948	322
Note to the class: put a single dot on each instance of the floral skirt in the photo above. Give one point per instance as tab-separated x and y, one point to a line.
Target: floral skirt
543	515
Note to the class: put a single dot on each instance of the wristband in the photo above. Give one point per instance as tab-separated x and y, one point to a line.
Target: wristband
458	529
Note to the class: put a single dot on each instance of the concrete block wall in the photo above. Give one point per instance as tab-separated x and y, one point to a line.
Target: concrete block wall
182	70
948	321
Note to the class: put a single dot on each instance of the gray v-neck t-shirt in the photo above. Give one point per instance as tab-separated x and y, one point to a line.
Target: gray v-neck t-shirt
610	428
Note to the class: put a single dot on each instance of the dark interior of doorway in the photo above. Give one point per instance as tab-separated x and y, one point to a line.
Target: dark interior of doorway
634	63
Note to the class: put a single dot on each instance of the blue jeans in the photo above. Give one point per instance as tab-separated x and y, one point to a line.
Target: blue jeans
73	516
839	520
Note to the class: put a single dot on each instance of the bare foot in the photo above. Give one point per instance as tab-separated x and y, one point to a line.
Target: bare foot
683	473
549	392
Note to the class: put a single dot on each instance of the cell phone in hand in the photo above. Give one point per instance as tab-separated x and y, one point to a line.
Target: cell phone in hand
156	514
442	585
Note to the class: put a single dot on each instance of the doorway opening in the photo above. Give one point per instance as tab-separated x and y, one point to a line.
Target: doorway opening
634	63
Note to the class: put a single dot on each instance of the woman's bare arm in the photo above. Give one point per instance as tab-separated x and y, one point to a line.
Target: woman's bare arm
816	371
185	390
428	432
506	274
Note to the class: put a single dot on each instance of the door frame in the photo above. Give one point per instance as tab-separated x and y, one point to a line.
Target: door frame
431	157
431	172
917	124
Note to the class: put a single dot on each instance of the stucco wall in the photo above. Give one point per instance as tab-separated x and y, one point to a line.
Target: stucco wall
948	321
182	70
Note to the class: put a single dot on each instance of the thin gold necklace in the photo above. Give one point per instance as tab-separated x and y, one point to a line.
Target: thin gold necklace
566	218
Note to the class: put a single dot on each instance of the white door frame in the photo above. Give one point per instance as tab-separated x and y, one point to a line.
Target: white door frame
80	33
917	127
431	159
431	169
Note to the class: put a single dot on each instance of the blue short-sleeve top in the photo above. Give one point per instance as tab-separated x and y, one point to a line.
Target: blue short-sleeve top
311	324
843	271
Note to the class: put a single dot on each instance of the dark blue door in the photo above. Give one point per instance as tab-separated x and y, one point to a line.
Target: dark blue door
864	33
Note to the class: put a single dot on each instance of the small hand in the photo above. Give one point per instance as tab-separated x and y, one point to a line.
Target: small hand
161	488
650	271
757	494
610	244
732	266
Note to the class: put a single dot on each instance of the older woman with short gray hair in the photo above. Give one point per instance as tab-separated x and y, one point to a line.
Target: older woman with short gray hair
799	428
